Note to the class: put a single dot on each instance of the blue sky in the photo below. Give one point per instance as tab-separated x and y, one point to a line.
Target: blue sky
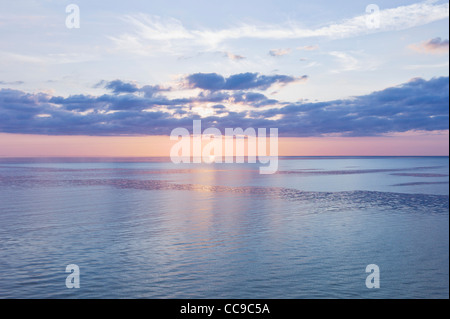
137	62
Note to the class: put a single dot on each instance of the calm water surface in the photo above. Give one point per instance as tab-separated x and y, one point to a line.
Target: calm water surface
141	228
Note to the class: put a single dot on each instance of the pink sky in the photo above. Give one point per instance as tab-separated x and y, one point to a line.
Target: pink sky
406	144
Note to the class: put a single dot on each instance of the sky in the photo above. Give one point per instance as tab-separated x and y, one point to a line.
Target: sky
335	78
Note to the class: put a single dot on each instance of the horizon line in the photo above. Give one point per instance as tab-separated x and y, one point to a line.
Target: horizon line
168	157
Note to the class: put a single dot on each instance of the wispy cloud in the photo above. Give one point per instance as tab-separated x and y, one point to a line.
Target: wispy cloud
11	82
234	57
171	32
353	61
346	61
48	59
308	48
11	57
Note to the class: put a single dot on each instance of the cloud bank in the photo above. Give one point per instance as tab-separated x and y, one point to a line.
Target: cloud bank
231	102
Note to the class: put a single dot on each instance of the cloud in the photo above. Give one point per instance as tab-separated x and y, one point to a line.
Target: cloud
118	87
48	59
417	105
170	35
234	57
347	61
242	81
151	90
434	46
308	48
11	82
206	81
437	44
253	99
279	52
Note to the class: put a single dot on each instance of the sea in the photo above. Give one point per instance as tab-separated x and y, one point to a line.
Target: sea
149	228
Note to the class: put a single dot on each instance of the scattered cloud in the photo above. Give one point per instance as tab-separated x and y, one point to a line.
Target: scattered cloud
234	57
118	86
434	46
308	48
279	52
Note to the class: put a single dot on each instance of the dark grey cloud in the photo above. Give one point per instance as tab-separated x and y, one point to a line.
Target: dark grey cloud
253	99
249	98
416	105
119	87
243	81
